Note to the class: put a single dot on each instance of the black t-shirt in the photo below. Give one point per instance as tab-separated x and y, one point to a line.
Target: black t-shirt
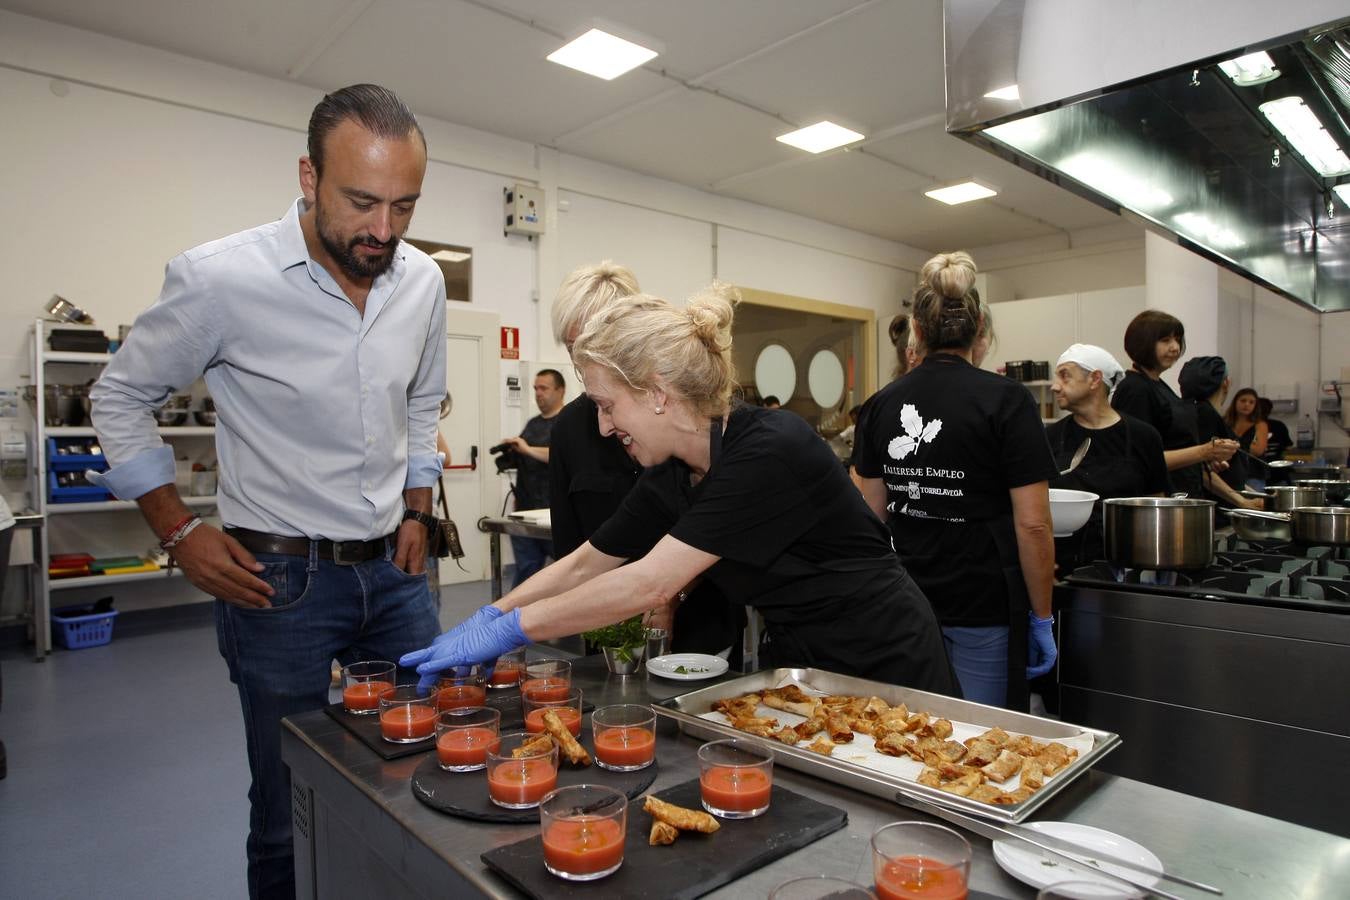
950	441
1279	440
531	474
1209	424
1124	460
1154	401
589	473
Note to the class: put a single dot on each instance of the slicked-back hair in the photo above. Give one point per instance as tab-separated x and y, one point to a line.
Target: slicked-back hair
377	109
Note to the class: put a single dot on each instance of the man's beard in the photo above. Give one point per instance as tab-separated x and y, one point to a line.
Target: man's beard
353	265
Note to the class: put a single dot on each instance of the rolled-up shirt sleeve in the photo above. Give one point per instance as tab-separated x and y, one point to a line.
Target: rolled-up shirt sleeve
169	347
424	401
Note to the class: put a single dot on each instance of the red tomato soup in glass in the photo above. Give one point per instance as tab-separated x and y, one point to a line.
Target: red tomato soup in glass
546	689
570	716
522	780
505	675
583	845
365	695
460	696
736	789
919	878
402	723
466	746
625	746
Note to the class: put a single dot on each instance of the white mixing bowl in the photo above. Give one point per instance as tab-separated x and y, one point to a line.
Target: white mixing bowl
1069	510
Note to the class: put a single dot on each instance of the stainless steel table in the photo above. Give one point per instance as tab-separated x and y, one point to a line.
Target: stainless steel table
359	831
495	527
38	602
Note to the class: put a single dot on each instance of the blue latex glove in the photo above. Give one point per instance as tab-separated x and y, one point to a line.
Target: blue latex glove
1041	650
472	646
482	617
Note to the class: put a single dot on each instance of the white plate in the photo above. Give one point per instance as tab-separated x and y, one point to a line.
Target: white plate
1040	869
665	666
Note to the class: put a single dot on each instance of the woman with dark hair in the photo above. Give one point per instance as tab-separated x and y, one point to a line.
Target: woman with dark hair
1279	439
1204	384
1245	420
1155	341
956	459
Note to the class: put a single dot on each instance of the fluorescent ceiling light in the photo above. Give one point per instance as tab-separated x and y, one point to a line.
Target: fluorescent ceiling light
601	54
1005	93
961	193
1208	232
1115	182
1250	70
450	256
1343	191
1304	130
822	136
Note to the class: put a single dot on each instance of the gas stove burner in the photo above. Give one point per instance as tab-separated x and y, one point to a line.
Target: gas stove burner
1333	589
1305	583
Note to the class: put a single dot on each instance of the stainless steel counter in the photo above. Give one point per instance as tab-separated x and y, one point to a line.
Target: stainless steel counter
495	527
361	833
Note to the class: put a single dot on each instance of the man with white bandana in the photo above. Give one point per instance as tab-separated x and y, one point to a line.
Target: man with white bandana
1125	458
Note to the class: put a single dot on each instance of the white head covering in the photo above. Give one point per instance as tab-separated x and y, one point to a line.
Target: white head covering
1094	359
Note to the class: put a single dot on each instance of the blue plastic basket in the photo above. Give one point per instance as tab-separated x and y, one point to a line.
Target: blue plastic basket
75	632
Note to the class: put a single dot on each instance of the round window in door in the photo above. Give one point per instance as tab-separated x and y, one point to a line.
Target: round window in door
825	378
775	373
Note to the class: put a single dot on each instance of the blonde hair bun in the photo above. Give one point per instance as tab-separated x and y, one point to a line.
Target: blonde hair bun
710	313
950	275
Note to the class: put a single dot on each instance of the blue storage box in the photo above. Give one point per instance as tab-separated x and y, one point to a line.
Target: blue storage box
82	494
73	462
75	632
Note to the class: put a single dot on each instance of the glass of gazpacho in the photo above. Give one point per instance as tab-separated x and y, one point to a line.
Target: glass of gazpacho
507	670
456	691
735	778
624	736
363	684
464	737
583	829
521	781
920	861
568	709
406	715
547	679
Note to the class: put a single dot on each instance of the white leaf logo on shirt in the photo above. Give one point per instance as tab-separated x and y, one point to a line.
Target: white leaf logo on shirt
916	432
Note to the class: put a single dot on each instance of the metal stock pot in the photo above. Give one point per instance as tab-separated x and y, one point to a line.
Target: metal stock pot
1287	497
1159	532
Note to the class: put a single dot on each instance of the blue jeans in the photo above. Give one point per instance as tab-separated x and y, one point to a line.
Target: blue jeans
280	658
530	554
980	658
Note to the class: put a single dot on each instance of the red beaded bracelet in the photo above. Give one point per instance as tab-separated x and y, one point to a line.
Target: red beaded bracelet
176	533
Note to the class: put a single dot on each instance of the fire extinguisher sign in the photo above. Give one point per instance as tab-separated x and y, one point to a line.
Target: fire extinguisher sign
510	343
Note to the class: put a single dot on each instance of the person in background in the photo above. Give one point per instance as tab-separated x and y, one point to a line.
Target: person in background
590	473
749	499
1155	341
322	339
532	481
1204	382
900	335
772	402
1279	439
842	443
1246	421
1125	458
956	458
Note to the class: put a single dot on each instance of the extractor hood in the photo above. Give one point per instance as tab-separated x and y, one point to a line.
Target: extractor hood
1199	148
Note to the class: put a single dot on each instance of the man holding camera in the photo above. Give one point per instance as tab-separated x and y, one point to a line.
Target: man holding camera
532	484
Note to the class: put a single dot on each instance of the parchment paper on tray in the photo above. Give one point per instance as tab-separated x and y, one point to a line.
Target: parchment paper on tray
860	750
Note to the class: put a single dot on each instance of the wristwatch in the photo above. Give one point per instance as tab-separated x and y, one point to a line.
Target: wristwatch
428	521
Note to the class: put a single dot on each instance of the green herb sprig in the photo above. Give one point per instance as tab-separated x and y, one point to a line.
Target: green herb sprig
623	637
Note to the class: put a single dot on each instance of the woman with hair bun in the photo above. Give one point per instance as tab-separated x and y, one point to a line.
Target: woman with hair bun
748	498
956	459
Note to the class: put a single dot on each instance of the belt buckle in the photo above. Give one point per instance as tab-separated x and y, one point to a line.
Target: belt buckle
342	548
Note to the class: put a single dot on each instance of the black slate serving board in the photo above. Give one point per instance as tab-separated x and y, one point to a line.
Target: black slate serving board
465	796
694	865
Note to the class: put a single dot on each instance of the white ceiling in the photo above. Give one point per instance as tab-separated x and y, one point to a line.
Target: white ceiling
731	76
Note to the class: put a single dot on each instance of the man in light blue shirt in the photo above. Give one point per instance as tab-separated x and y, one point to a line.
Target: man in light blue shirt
322	339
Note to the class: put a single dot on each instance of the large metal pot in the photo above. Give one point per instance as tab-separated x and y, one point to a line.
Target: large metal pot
1159	532
1321	525
1334	489
1286	497
1255	525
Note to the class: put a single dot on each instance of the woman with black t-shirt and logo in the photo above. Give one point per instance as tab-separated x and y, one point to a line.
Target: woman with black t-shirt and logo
956	459
751	499
1155	341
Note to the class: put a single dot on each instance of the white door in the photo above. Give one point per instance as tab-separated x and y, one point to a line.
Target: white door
471	365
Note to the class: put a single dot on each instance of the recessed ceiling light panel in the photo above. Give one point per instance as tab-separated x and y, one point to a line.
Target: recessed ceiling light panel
1250	70
1304	130
964	192
601	54
822	136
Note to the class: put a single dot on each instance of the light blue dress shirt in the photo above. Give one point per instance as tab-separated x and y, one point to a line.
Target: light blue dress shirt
323	416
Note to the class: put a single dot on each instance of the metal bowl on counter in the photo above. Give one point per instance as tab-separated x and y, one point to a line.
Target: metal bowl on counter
1159	532
174	412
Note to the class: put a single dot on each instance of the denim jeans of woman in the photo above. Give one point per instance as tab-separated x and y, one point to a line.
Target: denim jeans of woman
280	659
980	657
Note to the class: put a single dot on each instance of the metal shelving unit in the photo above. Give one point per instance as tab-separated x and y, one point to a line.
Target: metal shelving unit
41	358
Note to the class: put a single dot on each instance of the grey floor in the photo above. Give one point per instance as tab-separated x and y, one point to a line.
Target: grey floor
127	773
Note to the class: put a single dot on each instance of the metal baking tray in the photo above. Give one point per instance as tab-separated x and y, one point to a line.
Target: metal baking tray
686	710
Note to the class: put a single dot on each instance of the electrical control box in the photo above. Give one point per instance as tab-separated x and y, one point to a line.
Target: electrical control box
524	210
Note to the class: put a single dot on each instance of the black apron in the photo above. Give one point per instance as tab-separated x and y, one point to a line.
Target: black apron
1105	475
872	621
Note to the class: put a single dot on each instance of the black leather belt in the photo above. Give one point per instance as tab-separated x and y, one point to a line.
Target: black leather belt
344	553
